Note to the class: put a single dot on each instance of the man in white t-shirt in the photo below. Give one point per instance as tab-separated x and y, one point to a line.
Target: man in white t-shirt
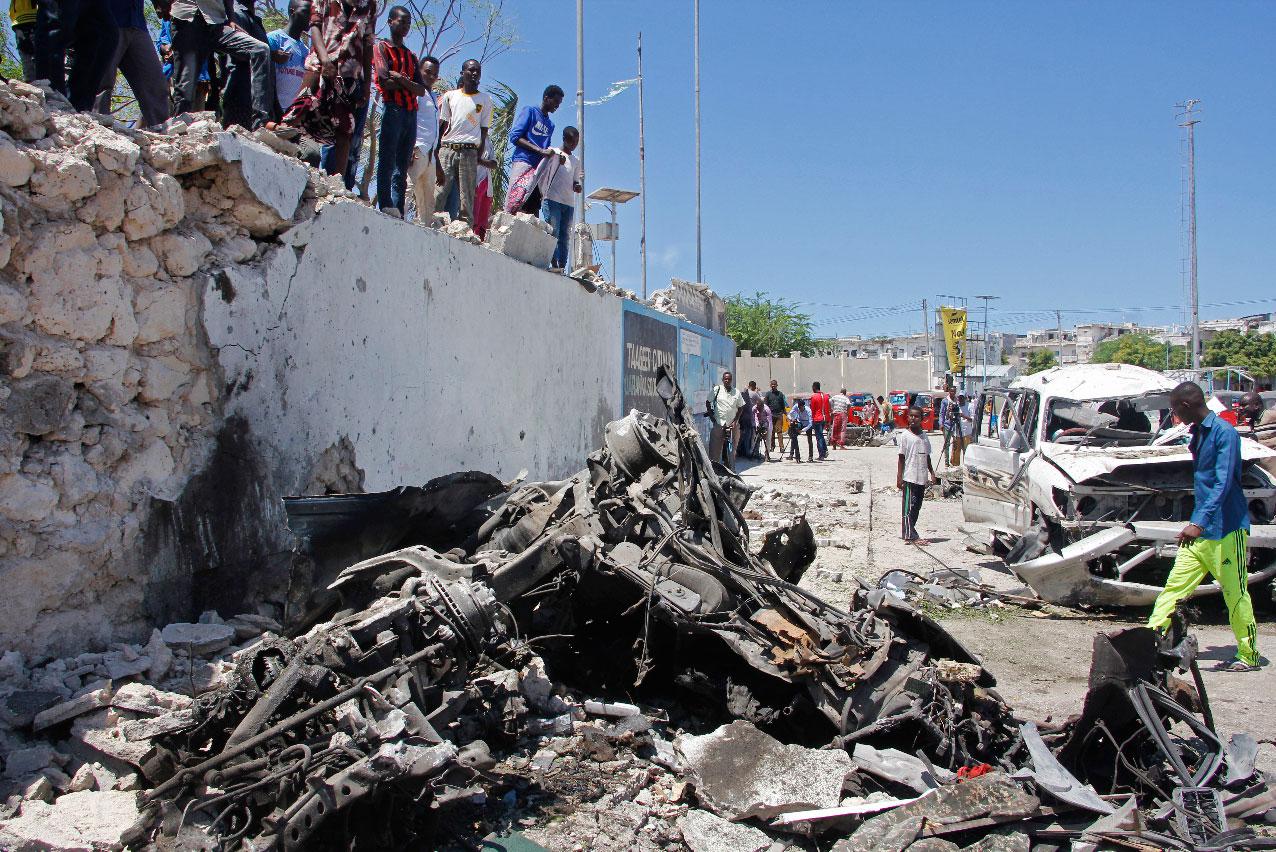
465	114
723	407
914	473
560	196
424	166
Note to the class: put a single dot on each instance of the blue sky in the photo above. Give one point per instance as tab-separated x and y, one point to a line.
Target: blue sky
859	157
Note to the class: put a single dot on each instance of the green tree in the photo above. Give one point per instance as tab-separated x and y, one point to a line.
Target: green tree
1041	359
1141	350
768	327
1255	352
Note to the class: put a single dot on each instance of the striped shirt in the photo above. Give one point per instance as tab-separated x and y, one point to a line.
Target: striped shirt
387	57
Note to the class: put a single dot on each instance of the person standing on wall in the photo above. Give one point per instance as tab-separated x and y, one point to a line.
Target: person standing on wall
566	182
423	168
840	403
530	136
913	473
22	15
1215	541
820	417
202	27
398	77
722	407
288	50
779	405
86	29
136	58
465	114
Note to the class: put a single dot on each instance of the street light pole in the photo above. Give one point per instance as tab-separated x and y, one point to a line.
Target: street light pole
699	266
642	172
986	299
580	120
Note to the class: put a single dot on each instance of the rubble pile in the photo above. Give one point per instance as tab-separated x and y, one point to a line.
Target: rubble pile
599	662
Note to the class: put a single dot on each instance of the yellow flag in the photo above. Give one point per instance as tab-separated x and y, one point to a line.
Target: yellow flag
955	337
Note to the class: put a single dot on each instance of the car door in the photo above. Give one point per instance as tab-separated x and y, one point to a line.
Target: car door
993	491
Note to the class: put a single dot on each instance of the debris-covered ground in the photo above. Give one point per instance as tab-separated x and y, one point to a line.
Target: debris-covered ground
609	661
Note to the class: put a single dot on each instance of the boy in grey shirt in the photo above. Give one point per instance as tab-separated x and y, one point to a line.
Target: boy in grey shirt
914	473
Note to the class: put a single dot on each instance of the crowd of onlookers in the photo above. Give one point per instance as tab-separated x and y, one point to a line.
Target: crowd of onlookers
312	81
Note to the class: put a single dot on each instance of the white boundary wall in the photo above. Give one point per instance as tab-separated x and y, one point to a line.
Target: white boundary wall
795	374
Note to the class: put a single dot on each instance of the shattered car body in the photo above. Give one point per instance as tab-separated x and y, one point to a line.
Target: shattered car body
636	577
1080	474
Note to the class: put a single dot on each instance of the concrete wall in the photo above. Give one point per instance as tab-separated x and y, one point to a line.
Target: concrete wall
795	374
192	327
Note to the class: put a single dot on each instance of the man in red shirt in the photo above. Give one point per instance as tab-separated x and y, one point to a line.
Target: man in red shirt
398	77
820	417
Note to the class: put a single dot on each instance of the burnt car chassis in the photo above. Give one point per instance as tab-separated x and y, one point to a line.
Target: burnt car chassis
381	709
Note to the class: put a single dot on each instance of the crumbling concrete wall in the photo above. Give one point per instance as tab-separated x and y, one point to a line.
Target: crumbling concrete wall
110	401
192	326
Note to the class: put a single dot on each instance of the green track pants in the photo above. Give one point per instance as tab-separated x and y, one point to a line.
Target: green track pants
1224	559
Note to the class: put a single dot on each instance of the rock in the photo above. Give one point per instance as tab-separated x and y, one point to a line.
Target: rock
39	790
147	700
15	165
705	832
100	734
26	761
1000	841
161	314
141	730
461	230
251	625
161	657
26	499
741	772
182	253
85	820
83	779
38	405
200	639
68	710
118	668
13	304
60	178
522	237
993	794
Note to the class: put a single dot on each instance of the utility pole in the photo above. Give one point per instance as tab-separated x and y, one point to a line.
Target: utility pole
1059	327
986	299
642	171
580	120
930	358
699	265
1189	121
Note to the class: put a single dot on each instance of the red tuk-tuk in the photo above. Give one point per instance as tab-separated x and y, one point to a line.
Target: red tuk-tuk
901	401
858	414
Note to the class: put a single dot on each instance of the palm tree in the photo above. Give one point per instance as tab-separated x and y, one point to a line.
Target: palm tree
504	108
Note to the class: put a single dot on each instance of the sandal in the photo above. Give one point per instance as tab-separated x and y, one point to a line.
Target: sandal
1237	666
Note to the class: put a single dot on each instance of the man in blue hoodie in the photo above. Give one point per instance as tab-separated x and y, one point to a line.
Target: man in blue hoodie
529	137
1215	540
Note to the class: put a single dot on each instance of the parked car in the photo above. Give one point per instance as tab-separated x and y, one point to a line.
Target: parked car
1085	482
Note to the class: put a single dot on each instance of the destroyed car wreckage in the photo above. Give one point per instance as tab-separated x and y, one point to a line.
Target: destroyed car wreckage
1079	477
408	669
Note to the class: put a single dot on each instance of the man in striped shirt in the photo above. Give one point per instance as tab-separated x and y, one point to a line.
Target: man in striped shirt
398	77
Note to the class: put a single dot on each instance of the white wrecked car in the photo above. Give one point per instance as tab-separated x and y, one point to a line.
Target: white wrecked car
1079	476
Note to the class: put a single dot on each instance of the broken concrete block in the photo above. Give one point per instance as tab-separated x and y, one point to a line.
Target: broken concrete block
994	794
148	701
83	779
25	761
86	820
100	733
249	625
118	668
68	710
277	182
522	237
19	709
741	772
161	657
706	832
15	165
39	790
198	639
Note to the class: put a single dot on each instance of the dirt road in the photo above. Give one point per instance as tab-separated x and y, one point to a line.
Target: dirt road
1041	659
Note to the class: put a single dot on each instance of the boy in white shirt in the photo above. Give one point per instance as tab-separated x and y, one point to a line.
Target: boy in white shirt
560	196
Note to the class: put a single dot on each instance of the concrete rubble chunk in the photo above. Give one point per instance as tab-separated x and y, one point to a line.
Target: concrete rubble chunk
39	790
83	779
68	710
523	237
25	761
277	182
149	701
741	772
1001	841
706	832
160	655
100	734
200	639
991	795
85	820
18	709
250	625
